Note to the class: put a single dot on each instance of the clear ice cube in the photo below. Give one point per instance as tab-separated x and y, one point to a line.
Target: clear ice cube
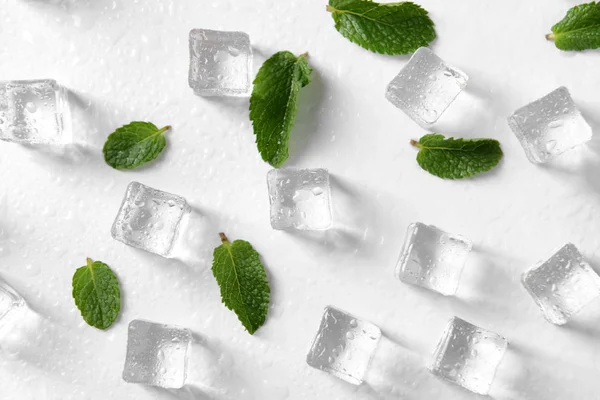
149	219
344	345
426	87
550	126
432	258
10	300
220	63
35	112
468	356
562	285
157	354
300	199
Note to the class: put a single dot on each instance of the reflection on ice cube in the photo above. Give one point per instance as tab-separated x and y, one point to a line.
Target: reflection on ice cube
300	198
550	126
468	356
344	345
35	112
432	258
426	87
157	354
220	63
149	219
563	284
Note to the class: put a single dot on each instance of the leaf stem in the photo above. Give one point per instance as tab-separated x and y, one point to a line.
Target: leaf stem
166	128
223	237
305	55
550	36
330	9
415	143
89	262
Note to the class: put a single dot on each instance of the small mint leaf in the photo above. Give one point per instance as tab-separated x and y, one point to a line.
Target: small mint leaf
388	28
274	103
457	158
243	282
97	294
579	29
134	144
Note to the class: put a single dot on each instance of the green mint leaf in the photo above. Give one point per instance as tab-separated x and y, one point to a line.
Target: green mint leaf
97	294
243	282
134	144
579	29
389	28
274	103
456	158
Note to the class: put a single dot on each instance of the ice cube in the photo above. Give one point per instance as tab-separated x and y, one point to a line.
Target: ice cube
549	126
468	356
34	112
432	258
10	300
562	285
220	63
157	354
149	219
344	345
300	199
426	87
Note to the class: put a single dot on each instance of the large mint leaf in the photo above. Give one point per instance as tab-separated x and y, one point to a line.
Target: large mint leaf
457	158
243	282
134	144
388	28
579	29
97	294
274	103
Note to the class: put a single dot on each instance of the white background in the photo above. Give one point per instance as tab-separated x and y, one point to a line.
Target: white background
127	60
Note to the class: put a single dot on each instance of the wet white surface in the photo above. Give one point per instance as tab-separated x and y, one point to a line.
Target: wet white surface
128	60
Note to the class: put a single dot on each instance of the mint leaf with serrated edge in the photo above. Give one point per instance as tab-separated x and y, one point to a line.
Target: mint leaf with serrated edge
134	144
579	29
243	282
389	28
96	293
274	103
456	158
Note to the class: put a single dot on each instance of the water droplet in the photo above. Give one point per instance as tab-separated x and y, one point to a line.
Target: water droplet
30	107
431	115
550	145
353	323
317	191
555	124
171	203
443	239
233	51
349	335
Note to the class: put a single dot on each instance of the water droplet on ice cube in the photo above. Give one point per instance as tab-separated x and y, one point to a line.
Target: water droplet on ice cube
550	145
30	107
